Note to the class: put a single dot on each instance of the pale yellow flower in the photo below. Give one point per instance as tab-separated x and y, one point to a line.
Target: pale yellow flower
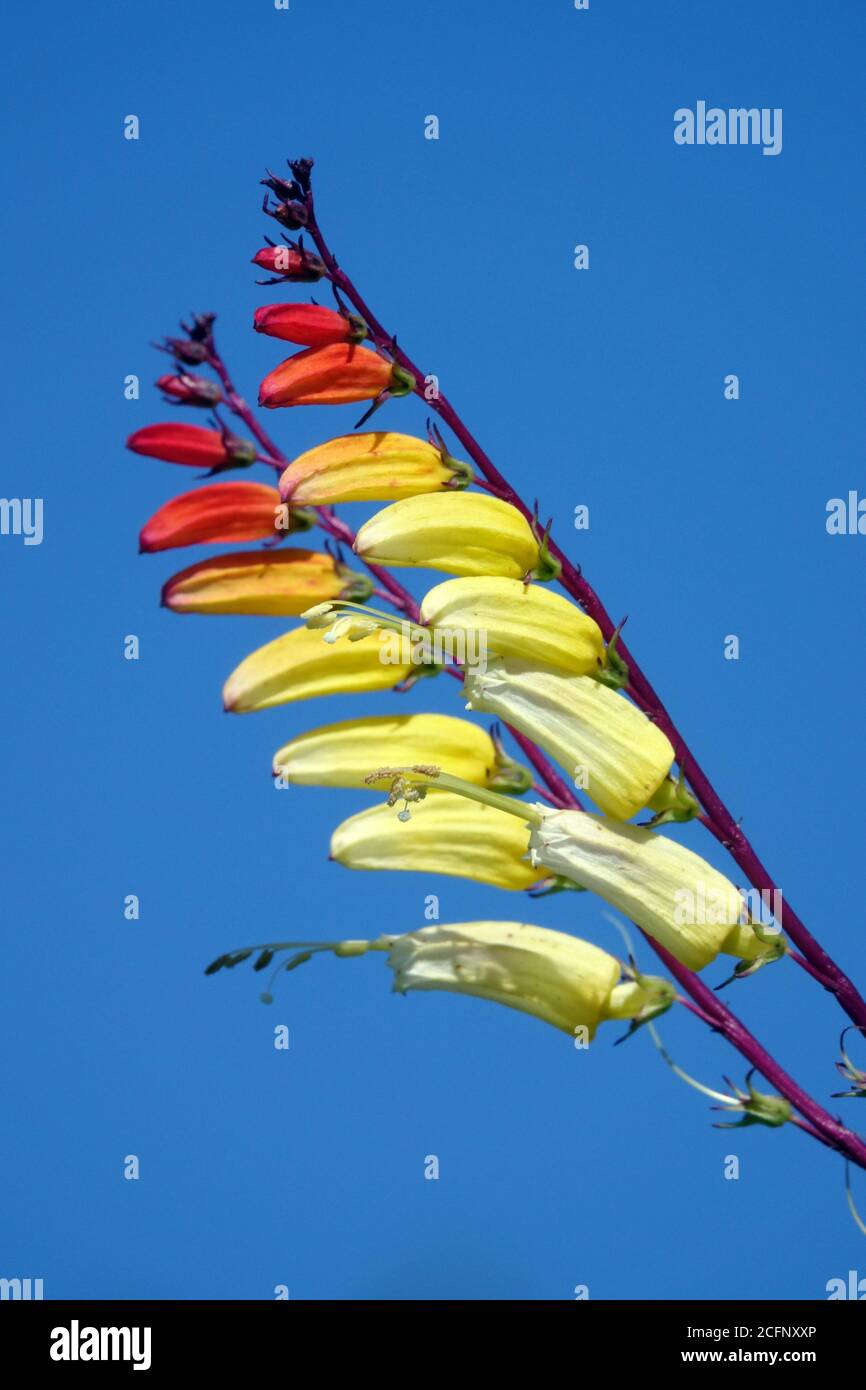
444	834
601	740
463	533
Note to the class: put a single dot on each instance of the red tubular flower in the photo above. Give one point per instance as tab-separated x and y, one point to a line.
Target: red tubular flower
189	389
333	375
308	324
192	445
289	264
219	512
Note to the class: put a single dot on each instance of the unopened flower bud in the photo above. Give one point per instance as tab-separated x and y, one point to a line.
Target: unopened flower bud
309	325
338	374
272	583
192	445
290	264
372	467
190	390
219	512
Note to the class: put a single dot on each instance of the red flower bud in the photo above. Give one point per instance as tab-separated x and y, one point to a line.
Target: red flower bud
333	375
193	445
288	263
219	512
190	390
308	324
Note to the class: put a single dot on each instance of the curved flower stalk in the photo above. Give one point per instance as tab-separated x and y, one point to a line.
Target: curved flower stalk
753	1106
559	675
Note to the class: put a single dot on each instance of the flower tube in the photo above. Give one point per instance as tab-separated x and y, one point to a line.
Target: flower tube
462	533
445	835
300	666
218	512
341	755
601	740
274	584
376	466
510	618
334	375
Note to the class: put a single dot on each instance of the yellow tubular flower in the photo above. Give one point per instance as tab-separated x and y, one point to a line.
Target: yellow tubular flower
300	665
278	584
378	466
342	755
509	618
560	979
588	728
672	894
445	834
467	533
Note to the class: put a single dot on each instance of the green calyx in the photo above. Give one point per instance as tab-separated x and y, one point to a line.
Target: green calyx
757	1108
614	673
547	567
358	587
357	328
672	801
402	382
640	999
300	519
508	775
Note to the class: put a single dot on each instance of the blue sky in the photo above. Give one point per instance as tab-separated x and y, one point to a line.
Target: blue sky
604	387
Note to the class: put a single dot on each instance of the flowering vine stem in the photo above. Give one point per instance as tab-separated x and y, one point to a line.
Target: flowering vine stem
819	1122
717	816
706	1004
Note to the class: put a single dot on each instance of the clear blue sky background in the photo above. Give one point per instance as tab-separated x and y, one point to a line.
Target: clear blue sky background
305	1167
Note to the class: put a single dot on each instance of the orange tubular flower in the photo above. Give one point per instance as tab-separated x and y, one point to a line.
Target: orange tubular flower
376	466
219	512
334	375
190	444
309	325
255	581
